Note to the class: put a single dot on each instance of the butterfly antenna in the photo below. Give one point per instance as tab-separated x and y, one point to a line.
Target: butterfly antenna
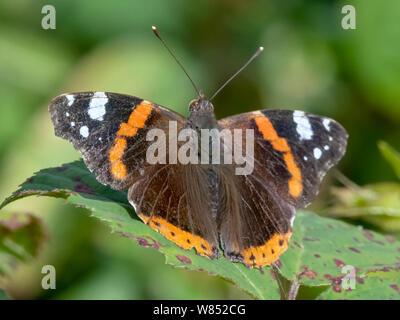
173	56
260	49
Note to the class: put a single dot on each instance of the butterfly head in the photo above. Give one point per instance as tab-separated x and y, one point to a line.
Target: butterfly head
202	104
201	113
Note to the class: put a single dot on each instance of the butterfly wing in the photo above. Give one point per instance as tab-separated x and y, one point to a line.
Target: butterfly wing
293	150
109	130
174	202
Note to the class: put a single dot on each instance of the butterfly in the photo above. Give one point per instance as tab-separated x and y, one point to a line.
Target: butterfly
207	206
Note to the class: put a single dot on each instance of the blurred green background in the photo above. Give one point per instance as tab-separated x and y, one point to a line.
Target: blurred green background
309	62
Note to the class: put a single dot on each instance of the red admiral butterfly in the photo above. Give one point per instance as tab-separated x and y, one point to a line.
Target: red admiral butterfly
205	206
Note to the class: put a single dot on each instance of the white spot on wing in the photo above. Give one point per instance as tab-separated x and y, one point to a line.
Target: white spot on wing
84	131
67	114
305	158
326	123
97	106
70	99
72	124
317	153
330	138
303	127
326	147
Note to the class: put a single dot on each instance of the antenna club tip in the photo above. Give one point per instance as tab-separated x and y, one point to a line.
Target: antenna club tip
261	48
153	27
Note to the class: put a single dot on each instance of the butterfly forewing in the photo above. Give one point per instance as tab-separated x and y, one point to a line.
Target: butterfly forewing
109	130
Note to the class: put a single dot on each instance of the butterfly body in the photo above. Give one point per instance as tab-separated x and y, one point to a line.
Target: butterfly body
205	204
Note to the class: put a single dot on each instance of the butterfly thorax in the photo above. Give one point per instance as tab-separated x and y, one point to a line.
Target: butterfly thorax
201	116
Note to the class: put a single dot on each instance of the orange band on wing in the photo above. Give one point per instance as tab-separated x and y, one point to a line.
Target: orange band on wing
267	253
183	239
137	120
126	130
117	151
280	144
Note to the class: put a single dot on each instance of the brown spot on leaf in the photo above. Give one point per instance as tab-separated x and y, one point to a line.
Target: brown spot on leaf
335	282
145	243
61	169
310	274
337	289
310	239
183	259
354	250
390	238
395	288
370	236
330	226
297	245
84	188
317	256
385	269
339	263
30	180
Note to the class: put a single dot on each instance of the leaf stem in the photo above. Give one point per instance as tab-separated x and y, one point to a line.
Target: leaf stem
294	288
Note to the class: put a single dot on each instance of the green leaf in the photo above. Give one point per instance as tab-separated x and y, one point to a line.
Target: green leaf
3	295
391	155
321	247
78	186
21	236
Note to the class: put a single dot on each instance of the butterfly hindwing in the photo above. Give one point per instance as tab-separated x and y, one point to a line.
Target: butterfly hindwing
171	200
